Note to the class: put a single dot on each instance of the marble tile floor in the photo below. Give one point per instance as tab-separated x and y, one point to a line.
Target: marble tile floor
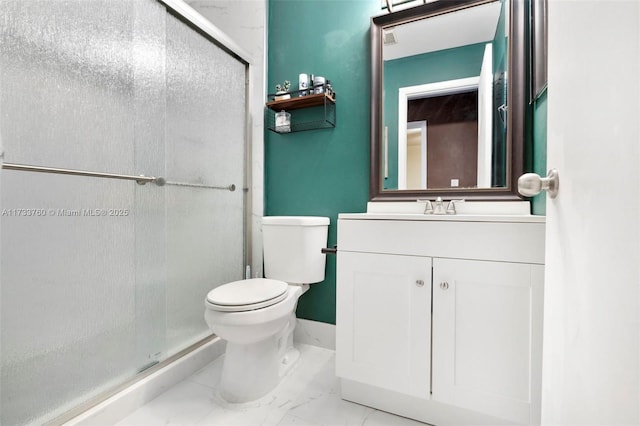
308	396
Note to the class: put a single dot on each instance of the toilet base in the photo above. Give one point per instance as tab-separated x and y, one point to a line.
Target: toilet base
250	371
288	361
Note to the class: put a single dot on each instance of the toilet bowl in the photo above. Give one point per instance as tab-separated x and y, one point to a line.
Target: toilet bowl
257	316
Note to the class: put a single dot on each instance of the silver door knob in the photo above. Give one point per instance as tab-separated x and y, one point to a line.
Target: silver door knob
444	285
419	283
530	184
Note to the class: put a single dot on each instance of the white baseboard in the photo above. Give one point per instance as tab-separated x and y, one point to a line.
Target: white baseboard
315	333
118	406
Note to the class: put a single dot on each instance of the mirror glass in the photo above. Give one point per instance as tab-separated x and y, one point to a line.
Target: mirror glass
440	123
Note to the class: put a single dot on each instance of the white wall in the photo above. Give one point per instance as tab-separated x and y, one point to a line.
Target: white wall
591	367
244	21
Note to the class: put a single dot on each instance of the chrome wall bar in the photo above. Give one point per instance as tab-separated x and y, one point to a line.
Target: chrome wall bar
140	180
161	181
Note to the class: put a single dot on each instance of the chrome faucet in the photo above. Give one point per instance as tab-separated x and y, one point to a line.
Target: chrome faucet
439	206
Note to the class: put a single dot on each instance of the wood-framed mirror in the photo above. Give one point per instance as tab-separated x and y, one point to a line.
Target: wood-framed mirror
448	101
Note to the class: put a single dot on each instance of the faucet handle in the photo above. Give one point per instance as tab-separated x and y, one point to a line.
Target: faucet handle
428	207
451	207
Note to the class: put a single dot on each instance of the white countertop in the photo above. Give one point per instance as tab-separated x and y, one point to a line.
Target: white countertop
471	211
447	218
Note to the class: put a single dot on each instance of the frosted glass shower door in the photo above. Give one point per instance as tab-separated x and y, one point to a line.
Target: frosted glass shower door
70	92
205	134
89	300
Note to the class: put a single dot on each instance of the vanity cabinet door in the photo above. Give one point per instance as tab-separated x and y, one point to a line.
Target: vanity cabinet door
383	317
487	337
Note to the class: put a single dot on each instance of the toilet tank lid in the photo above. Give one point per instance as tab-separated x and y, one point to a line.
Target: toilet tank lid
295	220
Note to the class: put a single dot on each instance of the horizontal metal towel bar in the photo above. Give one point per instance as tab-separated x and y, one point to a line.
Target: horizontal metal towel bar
161	181
141	180
27	168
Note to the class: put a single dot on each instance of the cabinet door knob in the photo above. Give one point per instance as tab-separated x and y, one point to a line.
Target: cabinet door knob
444	285
419	283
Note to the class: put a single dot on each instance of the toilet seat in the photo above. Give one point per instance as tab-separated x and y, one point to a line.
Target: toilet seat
247	295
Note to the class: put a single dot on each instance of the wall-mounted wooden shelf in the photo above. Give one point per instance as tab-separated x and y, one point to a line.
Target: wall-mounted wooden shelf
317	111
300	102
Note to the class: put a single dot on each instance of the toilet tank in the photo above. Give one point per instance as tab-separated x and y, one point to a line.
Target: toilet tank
292	245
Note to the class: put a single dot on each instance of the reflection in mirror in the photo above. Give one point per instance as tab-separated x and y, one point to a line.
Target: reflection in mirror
456	153
441	125
445	79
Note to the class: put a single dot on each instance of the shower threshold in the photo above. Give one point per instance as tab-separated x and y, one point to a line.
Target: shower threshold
114	404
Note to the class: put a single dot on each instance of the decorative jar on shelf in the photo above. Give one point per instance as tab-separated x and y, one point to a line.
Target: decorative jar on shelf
282	91
283	122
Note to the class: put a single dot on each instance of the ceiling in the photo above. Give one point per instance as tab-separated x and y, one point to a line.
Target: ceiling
468	26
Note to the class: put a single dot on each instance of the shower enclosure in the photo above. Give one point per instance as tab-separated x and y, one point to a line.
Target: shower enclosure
102	277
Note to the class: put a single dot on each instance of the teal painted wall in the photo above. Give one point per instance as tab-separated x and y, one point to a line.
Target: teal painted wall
321	172
326	172
536	146
539	202
443	65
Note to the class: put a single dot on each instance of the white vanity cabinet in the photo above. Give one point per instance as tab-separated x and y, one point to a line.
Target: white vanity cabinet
439	318
386	321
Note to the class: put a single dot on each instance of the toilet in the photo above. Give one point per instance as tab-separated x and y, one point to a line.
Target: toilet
257	316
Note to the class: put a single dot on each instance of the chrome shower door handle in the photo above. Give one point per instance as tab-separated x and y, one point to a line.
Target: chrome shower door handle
530	184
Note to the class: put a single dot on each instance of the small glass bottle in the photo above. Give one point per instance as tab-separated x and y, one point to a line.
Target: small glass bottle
318	84
303	83
330	89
